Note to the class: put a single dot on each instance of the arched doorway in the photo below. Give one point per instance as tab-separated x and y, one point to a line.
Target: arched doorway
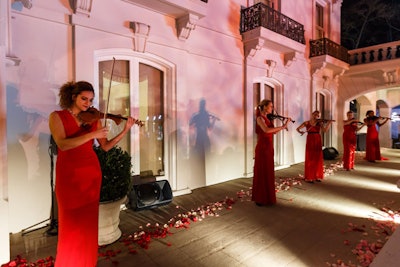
270	88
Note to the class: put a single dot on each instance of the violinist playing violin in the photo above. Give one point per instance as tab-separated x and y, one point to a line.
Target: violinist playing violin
263	190
78	174
350	128
372	147
314	161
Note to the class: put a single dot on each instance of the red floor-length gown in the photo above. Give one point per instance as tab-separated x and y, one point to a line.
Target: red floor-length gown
78	180
314	162
263	191
372	149
349	145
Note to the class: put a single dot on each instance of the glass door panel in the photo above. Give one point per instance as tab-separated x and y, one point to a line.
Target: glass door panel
139	88
151	84
115	96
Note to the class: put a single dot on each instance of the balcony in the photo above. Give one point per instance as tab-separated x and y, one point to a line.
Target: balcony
376	53
262	26
325	46
378	62
328	54
185	12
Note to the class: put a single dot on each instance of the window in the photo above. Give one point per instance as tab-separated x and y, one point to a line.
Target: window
114	95
319	22
274	4
324	106
151	107
136	89
269	88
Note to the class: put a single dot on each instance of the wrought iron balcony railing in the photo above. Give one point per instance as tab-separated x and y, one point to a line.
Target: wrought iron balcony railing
261	15
324	46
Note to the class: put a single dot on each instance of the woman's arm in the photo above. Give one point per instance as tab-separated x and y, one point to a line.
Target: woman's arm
347	122
382	123
58	132
266	129
360	127
325	126
106	144
370	122
301	127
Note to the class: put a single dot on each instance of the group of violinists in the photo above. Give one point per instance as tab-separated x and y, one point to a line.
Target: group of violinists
263	189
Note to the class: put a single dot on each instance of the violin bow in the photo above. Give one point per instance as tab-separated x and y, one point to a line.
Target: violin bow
109	91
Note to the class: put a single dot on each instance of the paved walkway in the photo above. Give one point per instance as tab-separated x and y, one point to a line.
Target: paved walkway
318	224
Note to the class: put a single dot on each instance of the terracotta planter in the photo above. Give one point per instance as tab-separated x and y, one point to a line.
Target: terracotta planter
109	231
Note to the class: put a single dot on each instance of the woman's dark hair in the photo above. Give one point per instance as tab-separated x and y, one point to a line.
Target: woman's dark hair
368	112
70	89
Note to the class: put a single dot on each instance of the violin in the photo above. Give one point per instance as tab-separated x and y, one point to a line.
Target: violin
371	118
324	120
92	114
279	117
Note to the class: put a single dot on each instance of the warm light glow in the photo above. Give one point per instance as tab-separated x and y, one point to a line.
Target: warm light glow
372	184
335	205
380	171
388	216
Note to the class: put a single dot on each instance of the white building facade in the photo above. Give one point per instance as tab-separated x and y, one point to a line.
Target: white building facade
165	62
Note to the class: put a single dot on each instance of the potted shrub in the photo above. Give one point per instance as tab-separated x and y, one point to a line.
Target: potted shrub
116	183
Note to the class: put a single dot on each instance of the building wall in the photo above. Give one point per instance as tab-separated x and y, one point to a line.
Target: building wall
4	218
52	51
56	46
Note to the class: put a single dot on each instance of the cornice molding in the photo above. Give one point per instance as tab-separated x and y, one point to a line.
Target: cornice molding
12	61
185	25
82	7
251	47
140	34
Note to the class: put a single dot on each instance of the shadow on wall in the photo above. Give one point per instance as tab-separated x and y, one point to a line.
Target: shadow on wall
202	122
26	137
27	160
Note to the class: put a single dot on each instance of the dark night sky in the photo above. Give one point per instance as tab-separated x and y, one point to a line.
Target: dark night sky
383	25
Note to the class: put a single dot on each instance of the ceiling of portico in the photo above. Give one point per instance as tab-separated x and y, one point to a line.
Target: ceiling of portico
352	87
380	77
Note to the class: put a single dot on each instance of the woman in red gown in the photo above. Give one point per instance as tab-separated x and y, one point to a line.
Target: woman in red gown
78	175
350	128
372	149
314	161
263	190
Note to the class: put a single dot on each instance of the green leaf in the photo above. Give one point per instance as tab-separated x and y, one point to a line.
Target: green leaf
116	167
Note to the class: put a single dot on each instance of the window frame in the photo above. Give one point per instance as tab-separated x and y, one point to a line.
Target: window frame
170	98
